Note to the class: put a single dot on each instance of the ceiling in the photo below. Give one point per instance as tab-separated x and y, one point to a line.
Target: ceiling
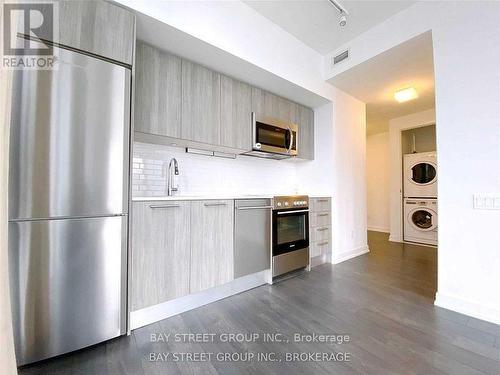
315	22
374	82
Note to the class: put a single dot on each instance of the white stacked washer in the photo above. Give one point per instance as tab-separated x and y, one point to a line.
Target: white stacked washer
420	192
421	220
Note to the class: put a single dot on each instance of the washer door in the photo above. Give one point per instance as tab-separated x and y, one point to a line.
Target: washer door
423	173
423	219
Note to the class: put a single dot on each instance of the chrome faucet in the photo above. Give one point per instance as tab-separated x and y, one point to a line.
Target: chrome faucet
171	184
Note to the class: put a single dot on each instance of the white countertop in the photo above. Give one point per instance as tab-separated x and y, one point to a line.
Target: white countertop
208	197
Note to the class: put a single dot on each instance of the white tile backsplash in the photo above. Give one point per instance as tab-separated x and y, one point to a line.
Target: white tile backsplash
205	175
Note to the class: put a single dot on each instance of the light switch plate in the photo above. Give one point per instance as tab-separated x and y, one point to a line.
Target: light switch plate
487	201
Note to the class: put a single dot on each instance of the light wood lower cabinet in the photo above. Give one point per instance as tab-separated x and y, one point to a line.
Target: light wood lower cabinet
179	248
160	252
211	243
320	219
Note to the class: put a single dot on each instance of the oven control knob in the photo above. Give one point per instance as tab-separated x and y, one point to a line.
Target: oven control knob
278	204
286	203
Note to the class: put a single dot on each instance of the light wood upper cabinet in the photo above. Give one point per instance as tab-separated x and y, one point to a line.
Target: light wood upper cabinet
267	104
98	27
212	257
287	110
160	252
305	120
236	114
193	106
200	103
158	90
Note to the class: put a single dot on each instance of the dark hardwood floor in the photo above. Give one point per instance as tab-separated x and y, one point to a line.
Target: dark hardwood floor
383	300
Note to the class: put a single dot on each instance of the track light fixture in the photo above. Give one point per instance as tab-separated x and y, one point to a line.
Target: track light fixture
342	20
343	12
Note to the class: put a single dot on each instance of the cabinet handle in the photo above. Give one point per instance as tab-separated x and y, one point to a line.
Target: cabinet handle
254	208
215	204
322	214
321	229
322	243
322	200
154	206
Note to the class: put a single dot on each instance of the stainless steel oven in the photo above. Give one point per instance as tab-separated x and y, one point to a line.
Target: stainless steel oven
273	138
290	234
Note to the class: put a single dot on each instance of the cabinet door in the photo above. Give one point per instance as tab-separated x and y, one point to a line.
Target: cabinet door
269	105
236	114
157	92
261	103
200	103
98	27
211	243
287	110
306	133
160	252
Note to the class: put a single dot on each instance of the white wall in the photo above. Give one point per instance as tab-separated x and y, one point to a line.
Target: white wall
467	77
377	181
338	170
349	180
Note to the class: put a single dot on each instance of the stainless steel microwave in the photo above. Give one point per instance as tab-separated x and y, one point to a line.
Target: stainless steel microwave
273	138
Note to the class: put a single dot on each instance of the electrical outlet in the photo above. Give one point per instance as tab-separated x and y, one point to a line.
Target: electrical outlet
487	201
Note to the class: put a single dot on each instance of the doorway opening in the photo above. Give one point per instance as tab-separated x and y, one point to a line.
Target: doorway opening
401	154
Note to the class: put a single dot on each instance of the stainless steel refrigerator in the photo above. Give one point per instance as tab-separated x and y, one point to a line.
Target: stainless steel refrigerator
68	205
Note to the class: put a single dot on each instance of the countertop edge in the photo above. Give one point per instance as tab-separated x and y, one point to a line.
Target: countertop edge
213	197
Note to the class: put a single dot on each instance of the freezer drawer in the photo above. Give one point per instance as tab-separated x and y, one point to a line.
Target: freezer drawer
67	280
69	139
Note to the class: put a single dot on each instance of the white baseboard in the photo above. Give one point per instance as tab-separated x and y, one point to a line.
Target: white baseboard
378	229
395	238
468	308
167	309
350	254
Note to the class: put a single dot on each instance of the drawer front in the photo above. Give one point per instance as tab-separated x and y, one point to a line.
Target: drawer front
321	204
320	219
320	233
319	248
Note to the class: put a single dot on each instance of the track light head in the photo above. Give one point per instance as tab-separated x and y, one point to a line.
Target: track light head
342	19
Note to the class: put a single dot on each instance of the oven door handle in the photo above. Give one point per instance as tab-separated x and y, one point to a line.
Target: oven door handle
291	212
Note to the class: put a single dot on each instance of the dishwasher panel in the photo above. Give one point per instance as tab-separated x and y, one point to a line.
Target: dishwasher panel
252	236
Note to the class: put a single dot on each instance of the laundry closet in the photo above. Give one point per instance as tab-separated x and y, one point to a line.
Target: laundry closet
420	179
